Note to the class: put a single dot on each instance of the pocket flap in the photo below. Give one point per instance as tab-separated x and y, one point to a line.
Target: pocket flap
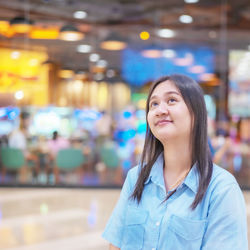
135	216
187	228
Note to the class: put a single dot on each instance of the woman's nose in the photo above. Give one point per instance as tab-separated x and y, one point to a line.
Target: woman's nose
162	109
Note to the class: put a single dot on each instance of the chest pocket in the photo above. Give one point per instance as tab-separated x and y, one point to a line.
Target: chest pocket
134	228
186	233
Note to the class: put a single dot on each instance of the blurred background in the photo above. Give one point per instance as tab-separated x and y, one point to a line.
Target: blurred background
74	77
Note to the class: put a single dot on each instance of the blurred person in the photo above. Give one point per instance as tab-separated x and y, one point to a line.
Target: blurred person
56	143
176	198
211	148
210	134
18	139
229	149
227	146
3	141
103	127
223	155
54	146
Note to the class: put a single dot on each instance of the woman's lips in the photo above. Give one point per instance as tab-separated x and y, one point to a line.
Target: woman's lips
163	122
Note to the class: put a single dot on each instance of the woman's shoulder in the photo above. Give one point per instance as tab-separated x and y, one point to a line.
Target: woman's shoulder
220	174
131	178
221	179
133	173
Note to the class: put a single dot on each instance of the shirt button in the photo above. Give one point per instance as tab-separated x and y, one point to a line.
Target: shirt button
153	248
157	223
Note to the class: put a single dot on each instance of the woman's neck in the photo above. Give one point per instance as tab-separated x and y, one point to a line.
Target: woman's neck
177	161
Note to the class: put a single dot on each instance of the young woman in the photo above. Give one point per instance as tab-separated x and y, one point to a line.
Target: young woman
176	199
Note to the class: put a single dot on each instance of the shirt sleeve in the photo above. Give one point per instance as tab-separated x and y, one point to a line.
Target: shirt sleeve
227	223
114	228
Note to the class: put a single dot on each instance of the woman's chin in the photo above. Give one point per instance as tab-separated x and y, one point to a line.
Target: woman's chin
166	137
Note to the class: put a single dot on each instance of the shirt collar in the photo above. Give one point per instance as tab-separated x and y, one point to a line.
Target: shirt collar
192	179
156	175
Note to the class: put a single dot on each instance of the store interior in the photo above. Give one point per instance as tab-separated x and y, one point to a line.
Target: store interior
77	73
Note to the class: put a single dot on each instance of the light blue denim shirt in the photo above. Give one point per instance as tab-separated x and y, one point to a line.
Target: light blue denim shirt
218	222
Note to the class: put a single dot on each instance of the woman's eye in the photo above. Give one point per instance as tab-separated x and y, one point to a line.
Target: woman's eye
153	104
172	100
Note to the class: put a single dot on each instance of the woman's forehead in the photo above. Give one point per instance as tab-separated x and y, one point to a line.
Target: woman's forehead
165	87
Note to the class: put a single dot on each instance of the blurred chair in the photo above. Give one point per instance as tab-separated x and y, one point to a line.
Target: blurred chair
68	160
109	156
112	174
12	160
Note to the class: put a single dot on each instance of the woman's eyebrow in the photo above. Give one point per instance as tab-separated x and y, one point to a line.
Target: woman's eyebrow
166	93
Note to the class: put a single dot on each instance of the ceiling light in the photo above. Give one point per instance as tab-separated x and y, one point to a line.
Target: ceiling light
5	28
19	95
33	62
44	33
98	76
94	57
21	24
84	48
66	73
70	33
144	35
165	33
81	75
207	77
80	14
113	42
197	69
110	73
15	54
152	52
168	53
102	63
77	86
212	34
191	1
184	61
185	19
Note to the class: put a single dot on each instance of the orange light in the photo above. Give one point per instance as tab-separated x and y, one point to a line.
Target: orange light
71	35
21	24
4	26
66	73
197	69
207	77
113	45
152	53
144	35
10	32
5	29
40	33
113	42
21	28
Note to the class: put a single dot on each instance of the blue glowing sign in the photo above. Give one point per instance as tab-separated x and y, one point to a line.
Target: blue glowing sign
139	68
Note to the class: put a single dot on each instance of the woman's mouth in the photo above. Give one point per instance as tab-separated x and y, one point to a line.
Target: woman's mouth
163	122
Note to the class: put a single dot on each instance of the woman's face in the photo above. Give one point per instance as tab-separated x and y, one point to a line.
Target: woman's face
168	116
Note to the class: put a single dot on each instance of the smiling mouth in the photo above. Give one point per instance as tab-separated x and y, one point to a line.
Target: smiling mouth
163	122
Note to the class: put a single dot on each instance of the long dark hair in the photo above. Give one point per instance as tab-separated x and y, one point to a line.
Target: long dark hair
193	97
